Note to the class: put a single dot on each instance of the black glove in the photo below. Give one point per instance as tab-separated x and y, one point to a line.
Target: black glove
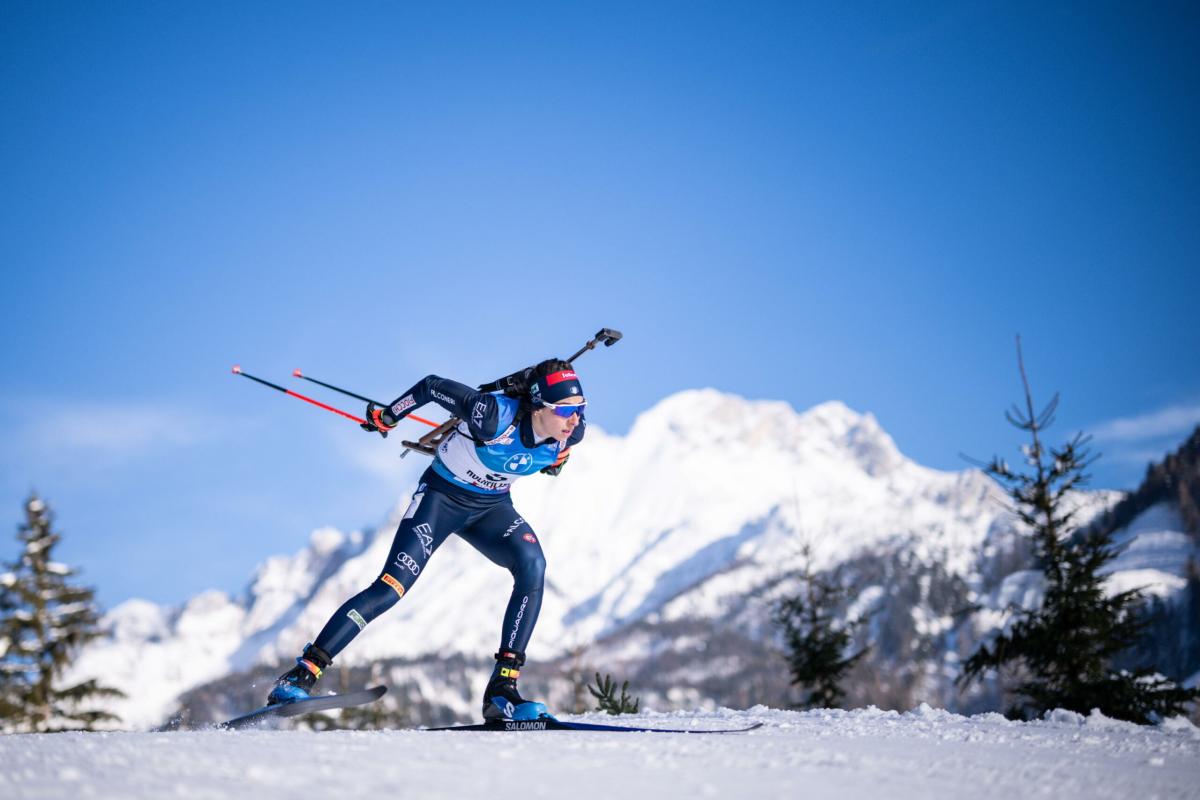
557	466
375	422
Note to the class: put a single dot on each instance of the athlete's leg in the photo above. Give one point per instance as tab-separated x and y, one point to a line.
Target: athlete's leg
506	539
430	518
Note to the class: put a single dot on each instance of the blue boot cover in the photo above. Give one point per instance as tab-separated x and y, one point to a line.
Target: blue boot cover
286	693
523	712
529	711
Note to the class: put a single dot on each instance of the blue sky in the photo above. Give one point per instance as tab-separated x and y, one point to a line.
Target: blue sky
783	201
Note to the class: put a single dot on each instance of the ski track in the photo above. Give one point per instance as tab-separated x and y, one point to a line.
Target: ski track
845	754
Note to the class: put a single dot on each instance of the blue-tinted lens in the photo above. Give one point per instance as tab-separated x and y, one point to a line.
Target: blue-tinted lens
566	411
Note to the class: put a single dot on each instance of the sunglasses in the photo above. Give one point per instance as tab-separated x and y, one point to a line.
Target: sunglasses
565	411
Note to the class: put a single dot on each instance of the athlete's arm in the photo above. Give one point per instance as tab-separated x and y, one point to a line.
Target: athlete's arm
478	409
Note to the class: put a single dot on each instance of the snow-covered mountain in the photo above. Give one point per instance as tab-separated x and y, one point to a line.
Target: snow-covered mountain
689	520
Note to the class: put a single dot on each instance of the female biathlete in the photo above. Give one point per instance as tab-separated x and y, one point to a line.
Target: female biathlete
466	491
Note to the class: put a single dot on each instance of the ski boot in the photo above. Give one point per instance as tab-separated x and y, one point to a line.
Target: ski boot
501	700
296	683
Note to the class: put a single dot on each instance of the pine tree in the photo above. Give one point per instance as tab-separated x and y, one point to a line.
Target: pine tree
1065	648
43	622
816	643
605	692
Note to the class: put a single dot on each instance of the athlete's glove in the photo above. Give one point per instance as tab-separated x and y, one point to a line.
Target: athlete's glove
557	466
375	422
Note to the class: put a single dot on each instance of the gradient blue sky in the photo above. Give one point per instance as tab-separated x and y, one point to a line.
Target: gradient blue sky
782	201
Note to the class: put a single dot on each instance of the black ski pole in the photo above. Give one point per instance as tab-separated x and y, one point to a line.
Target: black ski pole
296	373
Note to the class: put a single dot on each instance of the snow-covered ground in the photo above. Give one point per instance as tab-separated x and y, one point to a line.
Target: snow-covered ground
845	754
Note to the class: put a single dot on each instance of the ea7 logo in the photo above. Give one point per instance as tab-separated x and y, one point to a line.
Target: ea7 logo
406	561
477	413
422	531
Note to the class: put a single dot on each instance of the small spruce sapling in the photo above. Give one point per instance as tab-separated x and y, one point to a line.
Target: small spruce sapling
605	692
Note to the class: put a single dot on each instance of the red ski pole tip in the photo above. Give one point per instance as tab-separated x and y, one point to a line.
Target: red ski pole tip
296	373
237	370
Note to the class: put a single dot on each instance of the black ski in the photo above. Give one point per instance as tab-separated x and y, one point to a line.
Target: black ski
321	703
552	724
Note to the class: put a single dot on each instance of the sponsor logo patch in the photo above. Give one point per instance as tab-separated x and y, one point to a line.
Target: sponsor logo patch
403	404
392	582
529	537
445	398
504	438
406	561
518	463
491	481
531	725
422	531
559	377
512	637
356	618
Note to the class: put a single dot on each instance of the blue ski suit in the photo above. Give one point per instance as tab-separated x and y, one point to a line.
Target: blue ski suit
465	491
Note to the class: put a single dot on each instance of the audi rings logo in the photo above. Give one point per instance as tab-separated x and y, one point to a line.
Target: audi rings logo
406	561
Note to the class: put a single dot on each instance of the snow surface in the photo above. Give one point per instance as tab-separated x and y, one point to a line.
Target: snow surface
819	754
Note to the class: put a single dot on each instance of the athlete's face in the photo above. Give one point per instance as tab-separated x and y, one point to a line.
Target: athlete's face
552	425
